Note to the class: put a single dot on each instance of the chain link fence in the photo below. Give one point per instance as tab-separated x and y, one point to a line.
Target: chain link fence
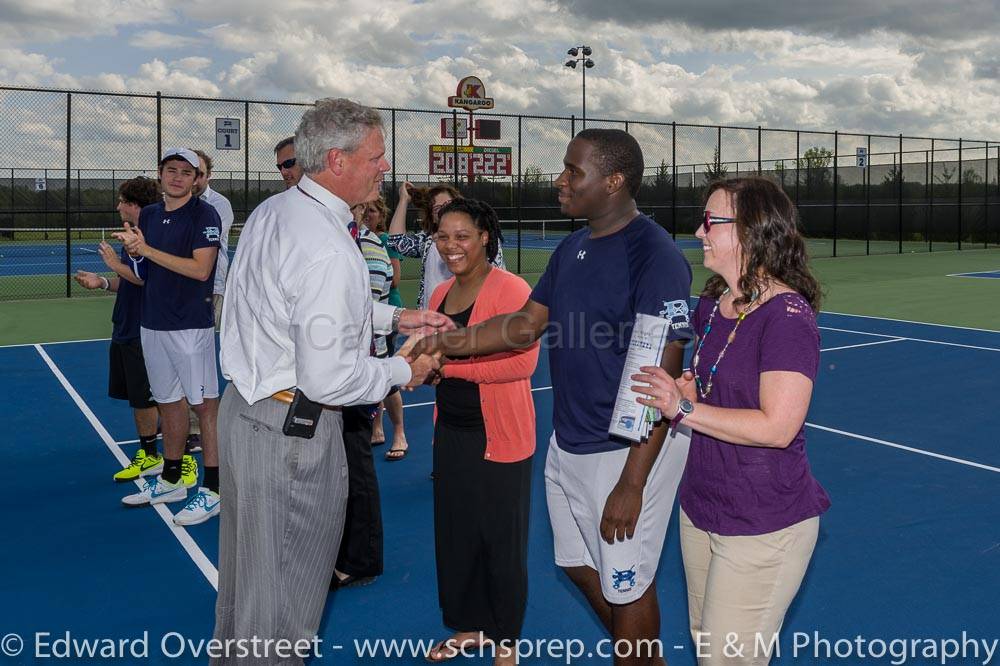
63	155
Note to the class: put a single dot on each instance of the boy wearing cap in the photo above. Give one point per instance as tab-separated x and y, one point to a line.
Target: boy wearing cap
179	241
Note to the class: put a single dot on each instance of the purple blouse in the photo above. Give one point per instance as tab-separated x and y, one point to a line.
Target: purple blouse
736	490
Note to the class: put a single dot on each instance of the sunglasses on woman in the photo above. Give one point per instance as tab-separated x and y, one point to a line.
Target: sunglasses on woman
715	219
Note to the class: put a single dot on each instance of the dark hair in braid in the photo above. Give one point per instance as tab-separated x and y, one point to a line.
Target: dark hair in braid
485	219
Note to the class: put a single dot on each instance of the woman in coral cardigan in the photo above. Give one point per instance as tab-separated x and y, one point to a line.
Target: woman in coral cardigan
484	438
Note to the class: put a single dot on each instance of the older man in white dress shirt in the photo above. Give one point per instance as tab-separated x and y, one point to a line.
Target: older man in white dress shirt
299	313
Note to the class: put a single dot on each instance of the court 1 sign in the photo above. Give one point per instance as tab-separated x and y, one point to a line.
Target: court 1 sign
472	161
227	133
470	95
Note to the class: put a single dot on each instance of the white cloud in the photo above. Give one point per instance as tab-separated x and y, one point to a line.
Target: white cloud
54	20
156	40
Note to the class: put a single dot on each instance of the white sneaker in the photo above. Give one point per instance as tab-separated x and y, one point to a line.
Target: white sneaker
156	491
203	505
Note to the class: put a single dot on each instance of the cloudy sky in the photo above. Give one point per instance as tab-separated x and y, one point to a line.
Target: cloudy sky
920	67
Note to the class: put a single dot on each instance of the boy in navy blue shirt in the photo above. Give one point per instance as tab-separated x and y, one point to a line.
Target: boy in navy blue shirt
609	501
127	378
179	240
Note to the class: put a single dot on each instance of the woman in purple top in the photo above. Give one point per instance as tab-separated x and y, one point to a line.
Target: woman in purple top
750	505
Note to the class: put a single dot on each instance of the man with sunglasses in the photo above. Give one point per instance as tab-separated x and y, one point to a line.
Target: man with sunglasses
284	154
609	501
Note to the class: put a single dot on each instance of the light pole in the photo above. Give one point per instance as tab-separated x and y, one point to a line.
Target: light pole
581	54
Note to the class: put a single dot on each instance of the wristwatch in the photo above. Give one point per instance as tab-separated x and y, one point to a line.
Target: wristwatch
684	408
396	314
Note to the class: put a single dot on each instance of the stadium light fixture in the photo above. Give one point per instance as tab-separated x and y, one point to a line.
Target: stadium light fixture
581	54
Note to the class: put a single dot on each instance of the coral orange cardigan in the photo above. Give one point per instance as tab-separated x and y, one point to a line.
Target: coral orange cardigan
504	379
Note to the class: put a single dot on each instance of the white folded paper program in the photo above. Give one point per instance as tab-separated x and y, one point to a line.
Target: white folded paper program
629	419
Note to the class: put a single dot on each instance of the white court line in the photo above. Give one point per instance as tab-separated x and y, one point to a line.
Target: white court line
136	441
900	337
910	321
58	342
863	438
189	545
901	447
863	344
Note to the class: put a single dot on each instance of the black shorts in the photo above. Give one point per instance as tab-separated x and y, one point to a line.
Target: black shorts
127	378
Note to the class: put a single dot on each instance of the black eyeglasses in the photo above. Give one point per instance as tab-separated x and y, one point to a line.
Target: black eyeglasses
715	219
287	164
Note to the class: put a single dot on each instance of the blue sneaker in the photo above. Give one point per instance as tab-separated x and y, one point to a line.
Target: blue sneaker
203	505
156	491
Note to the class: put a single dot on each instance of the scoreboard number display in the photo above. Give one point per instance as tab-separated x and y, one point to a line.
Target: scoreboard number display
472	160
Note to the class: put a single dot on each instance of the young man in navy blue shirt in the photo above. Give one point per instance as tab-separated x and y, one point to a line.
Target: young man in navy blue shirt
127	378
609	501
179	240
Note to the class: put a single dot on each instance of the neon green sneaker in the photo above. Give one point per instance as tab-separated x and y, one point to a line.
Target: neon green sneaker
141	465
189	471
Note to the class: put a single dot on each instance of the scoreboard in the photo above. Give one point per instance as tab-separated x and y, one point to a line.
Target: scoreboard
472	161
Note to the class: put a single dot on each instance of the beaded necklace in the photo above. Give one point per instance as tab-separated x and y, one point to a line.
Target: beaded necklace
701	343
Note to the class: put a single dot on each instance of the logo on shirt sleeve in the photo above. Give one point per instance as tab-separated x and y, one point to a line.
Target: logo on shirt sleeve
677	313
212	234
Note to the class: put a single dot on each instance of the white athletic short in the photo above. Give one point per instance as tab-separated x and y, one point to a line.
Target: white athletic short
181	364
577	487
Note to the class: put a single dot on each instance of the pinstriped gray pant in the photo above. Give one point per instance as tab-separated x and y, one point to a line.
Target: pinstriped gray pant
284	500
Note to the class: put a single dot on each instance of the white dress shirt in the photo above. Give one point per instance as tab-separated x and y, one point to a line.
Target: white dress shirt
225	210
298	309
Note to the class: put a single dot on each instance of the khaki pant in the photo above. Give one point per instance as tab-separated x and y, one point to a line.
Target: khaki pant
739	588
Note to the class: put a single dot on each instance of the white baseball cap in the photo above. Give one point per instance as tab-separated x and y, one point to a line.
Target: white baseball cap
187	155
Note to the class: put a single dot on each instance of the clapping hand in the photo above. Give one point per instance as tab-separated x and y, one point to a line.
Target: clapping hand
108	255
132	238
89	280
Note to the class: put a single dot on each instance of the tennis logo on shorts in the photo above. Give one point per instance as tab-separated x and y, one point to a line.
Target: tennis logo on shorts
621	578
212	234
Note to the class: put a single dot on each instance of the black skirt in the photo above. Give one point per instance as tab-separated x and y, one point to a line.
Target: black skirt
480	534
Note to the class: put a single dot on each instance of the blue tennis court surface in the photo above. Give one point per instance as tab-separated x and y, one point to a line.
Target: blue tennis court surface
41	260
51	259
902	433
979	274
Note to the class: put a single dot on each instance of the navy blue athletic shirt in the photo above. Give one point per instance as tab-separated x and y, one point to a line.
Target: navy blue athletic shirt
593	288
128	300
170	301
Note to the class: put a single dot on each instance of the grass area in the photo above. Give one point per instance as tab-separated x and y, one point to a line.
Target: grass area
899	286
